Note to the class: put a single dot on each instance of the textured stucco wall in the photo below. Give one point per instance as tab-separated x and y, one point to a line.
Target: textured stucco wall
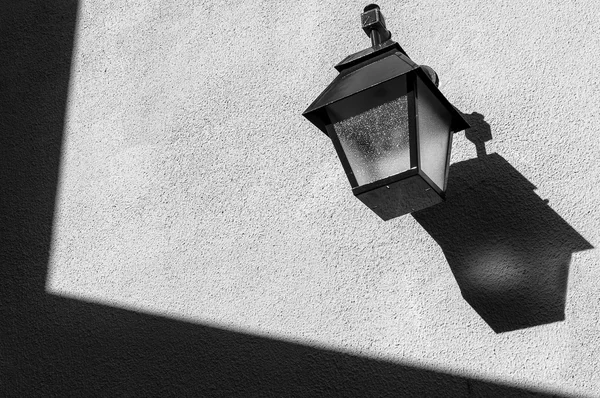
195	207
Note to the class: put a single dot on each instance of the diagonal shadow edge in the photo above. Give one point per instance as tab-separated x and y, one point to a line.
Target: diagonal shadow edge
74	347
64	347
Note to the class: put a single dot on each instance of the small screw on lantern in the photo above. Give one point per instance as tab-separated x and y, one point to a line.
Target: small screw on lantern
390	125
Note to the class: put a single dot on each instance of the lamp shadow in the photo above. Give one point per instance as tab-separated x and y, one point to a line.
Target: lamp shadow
508	250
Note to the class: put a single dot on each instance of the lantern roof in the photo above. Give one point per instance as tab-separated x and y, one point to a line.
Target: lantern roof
366	69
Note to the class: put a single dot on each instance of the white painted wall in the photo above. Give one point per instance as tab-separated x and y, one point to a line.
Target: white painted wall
191	187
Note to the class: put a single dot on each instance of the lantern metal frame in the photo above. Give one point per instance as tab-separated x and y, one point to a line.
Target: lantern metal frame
370	78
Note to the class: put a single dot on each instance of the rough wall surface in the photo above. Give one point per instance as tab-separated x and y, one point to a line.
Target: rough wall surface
195	208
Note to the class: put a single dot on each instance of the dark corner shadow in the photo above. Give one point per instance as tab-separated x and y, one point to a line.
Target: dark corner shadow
53	346
73	348
508	250
36	43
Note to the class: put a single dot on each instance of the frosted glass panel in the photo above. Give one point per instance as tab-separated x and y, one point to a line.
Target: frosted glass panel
434	134
376	142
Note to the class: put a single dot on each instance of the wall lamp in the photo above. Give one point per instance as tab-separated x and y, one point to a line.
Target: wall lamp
390	125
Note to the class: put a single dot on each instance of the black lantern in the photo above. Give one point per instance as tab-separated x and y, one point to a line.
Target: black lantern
390	125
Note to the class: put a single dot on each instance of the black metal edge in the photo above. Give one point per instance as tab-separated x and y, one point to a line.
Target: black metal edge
341	155
314	106
371	60
319	118
432	184
448	155
395	82
413	120
407	59
458	121
368	53
383	182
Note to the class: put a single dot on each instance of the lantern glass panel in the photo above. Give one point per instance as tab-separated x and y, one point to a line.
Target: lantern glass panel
434	123
376	142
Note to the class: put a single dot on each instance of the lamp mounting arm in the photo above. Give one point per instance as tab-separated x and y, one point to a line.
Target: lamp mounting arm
373	24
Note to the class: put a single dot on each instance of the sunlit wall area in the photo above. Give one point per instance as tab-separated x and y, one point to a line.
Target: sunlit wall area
191	188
